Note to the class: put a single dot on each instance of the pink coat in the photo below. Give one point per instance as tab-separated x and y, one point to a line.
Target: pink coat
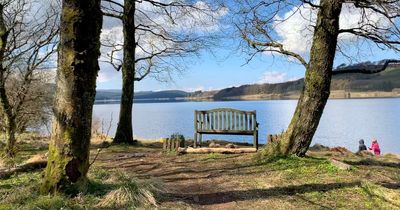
375	148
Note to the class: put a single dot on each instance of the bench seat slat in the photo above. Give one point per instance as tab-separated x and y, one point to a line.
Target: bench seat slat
249	132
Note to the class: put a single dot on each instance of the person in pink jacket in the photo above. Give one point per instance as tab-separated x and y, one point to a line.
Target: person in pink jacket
375	147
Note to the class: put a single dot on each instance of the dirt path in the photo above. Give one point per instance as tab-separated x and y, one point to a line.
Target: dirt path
216	181
200	181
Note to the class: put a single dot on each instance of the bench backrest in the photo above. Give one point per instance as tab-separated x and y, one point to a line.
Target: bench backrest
225	119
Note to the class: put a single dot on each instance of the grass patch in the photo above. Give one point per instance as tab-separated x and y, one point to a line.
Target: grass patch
293	168
194	181
106	190
27	145
367	195
215	155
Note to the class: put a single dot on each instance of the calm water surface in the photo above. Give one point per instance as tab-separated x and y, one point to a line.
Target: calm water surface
343	122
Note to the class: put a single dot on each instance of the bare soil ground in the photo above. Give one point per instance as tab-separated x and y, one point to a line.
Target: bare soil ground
220	181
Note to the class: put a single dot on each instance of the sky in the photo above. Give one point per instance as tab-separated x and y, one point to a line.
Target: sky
227	67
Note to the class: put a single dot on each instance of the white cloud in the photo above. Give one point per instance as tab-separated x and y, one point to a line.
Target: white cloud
273	77
107	73
102	77
295	27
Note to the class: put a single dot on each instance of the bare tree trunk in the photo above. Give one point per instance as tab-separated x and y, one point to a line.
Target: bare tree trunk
124	133
10	123
315	94
10	135
68	159
4	101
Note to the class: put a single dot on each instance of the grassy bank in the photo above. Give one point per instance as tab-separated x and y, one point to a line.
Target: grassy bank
143	177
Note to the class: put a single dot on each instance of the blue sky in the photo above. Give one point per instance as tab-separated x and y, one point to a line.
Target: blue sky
209	72
227	68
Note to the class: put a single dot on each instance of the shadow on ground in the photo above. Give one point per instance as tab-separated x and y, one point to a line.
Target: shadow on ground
229	196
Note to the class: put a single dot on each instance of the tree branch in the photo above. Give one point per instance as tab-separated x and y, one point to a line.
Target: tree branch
364	69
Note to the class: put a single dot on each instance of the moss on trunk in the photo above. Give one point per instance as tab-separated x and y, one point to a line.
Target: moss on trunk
68	160
10	136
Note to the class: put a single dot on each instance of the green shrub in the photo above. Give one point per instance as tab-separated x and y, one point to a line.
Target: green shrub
177	136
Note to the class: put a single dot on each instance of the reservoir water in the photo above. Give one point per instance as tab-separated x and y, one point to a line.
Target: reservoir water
343	122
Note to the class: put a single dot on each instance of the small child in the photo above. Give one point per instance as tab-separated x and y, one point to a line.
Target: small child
375	147
361	146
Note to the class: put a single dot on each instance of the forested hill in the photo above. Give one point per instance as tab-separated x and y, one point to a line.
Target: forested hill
116	94
385	81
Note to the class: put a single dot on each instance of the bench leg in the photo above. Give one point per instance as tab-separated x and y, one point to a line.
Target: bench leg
195	140
200	139
255	140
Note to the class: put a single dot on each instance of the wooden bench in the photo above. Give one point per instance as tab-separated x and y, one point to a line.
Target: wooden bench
225	121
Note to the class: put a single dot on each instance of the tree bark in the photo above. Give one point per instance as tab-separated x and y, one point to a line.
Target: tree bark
68	158
315	93
124	133
10	135
4	100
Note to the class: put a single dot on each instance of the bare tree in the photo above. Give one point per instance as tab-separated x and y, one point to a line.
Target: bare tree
258	24
28	40
35	112
79	50
157	36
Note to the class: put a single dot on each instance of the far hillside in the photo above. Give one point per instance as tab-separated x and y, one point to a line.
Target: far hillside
386	81
383	84
167	94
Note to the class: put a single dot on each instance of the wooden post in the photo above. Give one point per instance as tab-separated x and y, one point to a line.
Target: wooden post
177	144
255	141
165	144
269	138
195	129
182	143
171	144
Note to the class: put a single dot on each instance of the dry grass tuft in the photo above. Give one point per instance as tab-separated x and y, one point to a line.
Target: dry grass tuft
132	193
124	197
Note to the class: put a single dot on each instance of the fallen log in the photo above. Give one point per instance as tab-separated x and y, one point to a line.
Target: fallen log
6	173
216	150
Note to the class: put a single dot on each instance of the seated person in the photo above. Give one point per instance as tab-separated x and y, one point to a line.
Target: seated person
375	147
361	146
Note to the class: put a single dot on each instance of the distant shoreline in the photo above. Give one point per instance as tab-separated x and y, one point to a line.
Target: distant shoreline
260	97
